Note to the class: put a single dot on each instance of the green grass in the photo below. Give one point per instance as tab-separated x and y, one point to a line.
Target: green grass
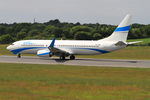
131	52
59	82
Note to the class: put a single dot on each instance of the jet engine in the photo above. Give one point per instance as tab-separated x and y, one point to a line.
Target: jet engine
44	53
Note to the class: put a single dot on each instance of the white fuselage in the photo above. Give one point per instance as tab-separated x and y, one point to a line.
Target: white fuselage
73	47
64	48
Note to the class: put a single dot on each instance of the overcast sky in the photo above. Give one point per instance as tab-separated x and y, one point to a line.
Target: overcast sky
84	11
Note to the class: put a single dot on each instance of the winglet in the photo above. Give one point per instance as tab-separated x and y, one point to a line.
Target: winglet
52	43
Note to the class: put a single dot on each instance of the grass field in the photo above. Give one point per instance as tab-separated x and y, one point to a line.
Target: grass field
55	82
131	52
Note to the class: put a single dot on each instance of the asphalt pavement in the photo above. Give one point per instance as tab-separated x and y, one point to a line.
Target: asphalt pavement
78	61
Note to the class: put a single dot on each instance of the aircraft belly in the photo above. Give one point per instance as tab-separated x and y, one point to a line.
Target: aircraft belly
85	52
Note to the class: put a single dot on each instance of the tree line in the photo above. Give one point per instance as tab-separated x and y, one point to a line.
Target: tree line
63	30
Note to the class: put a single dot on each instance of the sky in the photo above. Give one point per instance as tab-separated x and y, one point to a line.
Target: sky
83	11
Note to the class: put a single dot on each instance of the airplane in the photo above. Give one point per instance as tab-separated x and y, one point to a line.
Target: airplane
70	48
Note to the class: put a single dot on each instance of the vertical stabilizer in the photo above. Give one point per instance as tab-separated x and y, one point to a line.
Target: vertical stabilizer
121	32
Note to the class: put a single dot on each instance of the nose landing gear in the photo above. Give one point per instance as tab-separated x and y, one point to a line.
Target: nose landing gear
19	55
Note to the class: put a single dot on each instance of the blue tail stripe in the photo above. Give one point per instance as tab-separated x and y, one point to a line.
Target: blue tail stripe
119	29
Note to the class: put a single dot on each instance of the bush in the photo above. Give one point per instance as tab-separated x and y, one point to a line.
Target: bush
82	36
4	39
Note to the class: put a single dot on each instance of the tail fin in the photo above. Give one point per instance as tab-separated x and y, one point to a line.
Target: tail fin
121	32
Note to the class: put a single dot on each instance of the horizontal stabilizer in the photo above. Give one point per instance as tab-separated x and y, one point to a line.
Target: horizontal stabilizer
134	42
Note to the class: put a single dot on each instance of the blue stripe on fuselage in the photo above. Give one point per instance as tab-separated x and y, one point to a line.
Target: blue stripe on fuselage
120	29
16	51
98	50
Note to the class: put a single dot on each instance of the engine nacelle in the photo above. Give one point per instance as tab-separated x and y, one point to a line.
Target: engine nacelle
44	53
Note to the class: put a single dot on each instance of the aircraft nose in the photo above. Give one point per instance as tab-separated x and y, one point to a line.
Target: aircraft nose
8	47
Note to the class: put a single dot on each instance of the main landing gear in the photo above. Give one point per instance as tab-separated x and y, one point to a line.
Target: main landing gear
72	57
19	55
62	57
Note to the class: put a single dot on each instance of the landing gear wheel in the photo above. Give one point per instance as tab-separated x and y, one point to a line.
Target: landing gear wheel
19	55
72	57
62	57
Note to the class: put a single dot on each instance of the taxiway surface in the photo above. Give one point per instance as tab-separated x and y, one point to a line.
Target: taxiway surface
78	61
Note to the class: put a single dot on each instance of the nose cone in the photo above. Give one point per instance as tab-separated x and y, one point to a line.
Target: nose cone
8	48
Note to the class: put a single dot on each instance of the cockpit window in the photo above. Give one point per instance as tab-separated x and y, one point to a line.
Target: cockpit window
12	44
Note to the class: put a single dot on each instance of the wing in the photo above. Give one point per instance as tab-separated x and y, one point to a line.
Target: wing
57	51
52	50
